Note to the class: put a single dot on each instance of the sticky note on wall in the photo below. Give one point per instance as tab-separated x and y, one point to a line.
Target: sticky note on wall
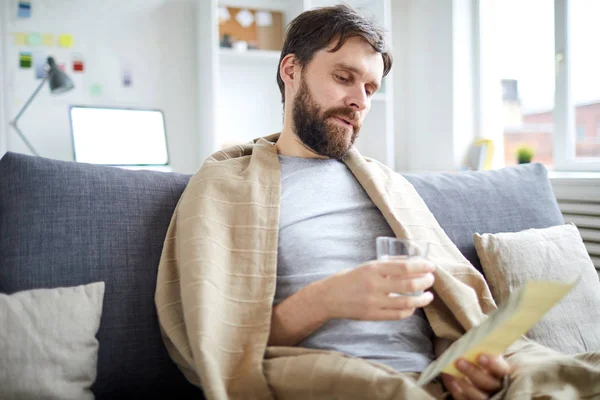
25	59
24	10
78	64
96	90
127	79
39	62
47	39
34	39
264	18
20	39
65	40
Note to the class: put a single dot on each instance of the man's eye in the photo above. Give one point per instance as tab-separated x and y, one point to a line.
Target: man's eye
341	78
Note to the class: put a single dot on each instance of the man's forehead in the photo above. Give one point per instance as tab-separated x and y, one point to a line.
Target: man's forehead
356	55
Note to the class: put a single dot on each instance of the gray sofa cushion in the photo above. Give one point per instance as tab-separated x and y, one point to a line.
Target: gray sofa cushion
506	200
67	224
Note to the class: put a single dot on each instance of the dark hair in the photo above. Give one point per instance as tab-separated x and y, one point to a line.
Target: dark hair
315	29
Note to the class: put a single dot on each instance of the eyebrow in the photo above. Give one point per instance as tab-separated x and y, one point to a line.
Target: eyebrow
355	70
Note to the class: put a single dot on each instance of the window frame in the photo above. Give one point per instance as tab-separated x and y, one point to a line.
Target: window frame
490	110
564	134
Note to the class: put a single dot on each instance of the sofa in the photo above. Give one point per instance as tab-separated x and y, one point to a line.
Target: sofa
66	224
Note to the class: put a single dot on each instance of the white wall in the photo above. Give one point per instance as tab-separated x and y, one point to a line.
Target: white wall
434	83
249	101
463	78
156	40
400	40
490	124
3	105
207	34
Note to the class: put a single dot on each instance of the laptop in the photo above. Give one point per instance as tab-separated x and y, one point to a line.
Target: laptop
132	138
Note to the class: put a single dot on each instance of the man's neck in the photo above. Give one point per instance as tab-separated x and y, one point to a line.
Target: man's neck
290	145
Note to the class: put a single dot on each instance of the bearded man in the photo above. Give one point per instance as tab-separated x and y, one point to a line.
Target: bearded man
268	285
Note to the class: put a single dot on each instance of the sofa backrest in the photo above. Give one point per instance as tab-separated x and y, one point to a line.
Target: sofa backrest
66	224
511	199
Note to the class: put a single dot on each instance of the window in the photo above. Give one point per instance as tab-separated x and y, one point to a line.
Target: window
545	60
524	61
583	31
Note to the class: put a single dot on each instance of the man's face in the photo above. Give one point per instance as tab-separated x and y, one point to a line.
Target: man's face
334	97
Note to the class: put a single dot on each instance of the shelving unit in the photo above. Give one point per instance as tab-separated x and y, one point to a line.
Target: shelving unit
244	102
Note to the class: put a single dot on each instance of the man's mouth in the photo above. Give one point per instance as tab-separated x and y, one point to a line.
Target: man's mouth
344	121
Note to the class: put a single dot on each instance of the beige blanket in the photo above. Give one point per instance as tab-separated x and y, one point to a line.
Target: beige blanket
216	284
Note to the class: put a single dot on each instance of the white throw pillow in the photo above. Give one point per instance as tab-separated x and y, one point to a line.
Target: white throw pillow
48	345
556	253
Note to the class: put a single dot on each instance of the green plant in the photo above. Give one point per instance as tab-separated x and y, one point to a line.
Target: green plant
525	154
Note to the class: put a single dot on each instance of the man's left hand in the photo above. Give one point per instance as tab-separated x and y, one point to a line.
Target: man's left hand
481	380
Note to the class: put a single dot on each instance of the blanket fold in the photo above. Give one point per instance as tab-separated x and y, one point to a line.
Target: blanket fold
217	275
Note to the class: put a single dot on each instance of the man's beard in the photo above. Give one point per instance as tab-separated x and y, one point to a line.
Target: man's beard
316	129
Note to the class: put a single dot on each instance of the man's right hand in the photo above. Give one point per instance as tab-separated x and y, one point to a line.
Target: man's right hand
363	293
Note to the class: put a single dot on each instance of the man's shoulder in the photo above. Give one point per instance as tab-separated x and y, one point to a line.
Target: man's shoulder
232	165
222	168
216	178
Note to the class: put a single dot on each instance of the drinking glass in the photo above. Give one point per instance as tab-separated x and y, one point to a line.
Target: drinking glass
401	249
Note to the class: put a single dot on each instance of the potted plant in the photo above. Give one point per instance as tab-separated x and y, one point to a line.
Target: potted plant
525	154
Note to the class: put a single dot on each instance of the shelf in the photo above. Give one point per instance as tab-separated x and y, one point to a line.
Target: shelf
249	55
276	5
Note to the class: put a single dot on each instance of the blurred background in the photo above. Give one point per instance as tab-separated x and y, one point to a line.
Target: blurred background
476	84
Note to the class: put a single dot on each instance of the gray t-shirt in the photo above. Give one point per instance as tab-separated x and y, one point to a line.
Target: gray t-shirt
328	223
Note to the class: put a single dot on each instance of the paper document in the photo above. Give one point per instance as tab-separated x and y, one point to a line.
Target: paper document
521	311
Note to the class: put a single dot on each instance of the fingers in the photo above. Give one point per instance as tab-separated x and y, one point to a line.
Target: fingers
396	308
478	382
404	268
496	366
407	302
375	288
479	377
462	389
414	284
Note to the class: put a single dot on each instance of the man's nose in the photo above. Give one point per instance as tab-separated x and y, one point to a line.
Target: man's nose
357	99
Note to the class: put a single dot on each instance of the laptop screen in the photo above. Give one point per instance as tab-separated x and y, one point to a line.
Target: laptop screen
118	136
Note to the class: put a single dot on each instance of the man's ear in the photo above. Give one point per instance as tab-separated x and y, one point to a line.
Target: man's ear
289	70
